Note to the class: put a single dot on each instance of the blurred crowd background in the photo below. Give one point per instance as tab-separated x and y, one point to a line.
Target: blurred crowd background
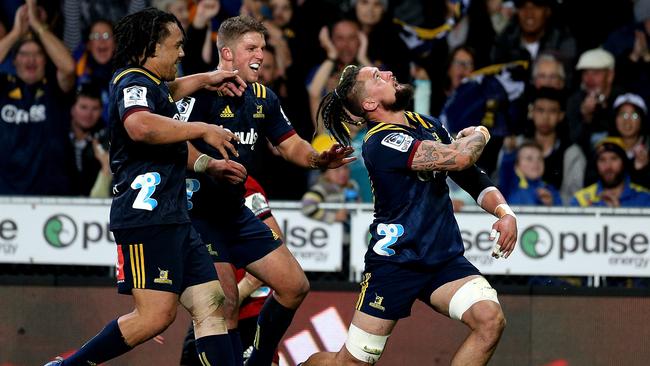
562	85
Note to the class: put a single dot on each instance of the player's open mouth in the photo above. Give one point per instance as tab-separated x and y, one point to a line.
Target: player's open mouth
255	66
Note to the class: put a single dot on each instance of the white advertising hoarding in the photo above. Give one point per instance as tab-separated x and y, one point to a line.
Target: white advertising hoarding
549	244
77	233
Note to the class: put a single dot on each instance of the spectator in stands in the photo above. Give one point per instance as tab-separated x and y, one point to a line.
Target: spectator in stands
589	110
177	7
86	127
630	47
93	64
35	158
200	53
385	48
333	186
631	112
564	161
613	188
500	14
548	72
531	189
345	46
474	30
532	34
459	66
79	15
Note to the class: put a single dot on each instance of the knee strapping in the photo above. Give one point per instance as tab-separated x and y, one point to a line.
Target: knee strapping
364	346
470	293
203	302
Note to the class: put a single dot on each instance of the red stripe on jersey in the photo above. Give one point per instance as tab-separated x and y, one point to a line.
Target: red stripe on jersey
412	155
285	136
133	110
120	264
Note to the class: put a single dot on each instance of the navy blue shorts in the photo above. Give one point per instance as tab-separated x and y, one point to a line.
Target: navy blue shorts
389	290
167	258
239	239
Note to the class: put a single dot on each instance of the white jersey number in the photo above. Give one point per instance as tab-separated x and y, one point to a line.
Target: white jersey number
146	183
391	233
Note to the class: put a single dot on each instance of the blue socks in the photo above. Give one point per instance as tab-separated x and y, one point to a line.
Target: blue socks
106	345
273	321
215	350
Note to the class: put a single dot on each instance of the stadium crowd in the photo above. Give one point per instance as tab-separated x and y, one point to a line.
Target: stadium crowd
564	94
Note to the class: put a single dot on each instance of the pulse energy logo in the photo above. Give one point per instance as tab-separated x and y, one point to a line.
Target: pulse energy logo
536	241
60	231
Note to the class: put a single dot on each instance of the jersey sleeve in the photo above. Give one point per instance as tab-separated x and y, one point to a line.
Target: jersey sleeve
277	126
391	149
137	93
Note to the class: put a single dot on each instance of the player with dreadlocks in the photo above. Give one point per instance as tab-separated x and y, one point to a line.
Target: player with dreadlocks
161	260
416	250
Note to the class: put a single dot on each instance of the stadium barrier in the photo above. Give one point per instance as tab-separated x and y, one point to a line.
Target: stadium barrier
563	241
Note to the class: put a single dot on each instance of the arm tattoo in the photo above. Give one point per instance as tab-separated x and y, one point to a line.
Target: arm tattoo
460	154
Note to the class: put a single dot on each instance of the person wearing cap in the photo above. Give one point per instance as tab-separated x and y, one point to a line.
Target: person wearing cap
613	188
534	34
631	111
589	110
35	158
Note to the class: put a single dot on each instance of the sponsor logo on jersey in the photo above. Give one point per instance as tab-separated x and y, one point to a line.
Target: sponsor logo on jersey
258	113
390	233
135	95
398	141
377	303
227	113
12	114
247	138
185	107
163	277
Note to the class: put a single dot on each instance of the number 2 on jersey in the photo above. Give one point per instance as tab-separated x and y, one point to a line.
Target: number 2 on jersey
391	233
146	183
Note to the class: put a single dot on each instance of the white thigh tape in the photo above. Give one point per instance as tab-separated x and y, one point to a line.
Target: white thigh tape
469	294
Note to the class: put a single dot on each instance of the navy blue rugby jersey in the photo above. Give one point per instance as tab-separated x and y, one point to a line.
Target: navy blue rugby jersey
253	117
149	179
414	219
35	154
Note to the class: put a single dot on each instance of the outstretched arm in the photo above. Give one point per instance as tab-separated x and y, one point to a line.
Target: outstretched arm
301	153
458	155
225	81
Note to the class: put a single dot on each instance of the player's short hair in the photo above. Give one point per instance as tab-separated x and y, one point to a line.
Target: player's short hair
137	34
233	28
340	105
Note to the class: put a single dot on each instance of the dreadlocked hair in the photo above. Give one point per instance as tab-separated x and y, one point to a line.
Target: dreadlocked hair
136	36
340	105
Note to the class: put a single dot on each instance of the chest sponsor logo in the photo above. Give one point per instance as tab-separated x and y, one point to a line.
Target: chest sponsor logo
227	113
12	114
135	95
258	113
185	107
398	141
247	138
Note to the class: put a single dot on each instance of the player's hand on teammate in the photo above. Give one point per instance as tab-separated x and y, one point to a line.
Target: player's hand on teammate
230	171
504	231
335	157
221	139
227	82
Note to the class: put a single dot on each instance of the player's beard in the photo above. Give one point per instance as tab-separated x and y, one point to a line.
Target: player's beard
403	96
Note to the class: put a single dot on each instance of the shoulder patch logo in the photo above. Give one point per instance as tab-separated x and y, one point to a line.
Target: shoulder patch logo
258	113
135	95
185	107
398	141
226	113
